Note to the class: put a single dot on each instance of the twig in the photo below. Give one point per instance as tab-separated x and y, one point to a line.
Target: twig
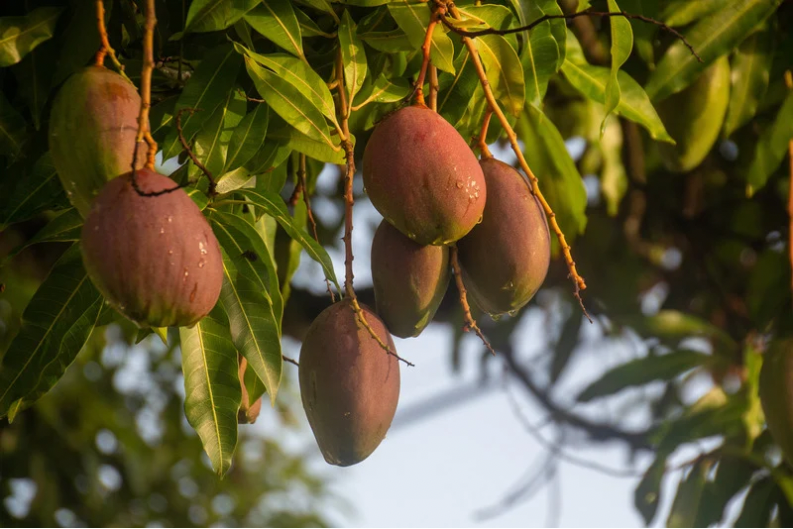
425	48
349	154
545	18
789	83
106	48
481	141
248	98
434	88
212	189
144	129
470	322
301	178
290	360
534	187
295	196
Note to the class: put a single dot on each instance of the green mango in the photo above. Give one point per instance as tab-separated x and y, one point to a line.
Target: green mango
776	393
694	118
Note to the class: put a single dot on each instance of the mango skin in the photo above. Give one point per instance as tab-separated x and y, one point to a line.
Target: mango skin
93	124
694	118
422	177
349	385
505	259
409	280
776	393
155	259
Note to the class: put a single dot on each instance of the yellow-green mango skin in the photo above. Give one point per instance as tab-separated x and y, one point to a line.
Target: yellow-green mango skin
776	393
93	124
505	258
409	280
694	118
348	383
422	177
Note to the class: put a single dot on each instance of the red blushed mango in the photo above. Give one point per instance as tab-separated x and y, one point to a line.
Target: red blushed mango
93	124
349	385
409	280
155	259
505	258
422	177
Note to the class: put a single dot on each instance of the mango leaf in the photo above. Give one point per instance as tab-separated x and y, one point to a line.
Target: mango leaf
566	344
212	386
749	74
711	37
309	28
489	16
634	104
413	19
20	35
732	474
353	56
713	414
13	128
214	15
643	371
254	330
647	495
289	103
34	75
531	11
79	41
276	21
644	34
539	58
382	90
274	205
678	13
457	90
206	89
55	325
558	176
64	227
672	326
37	190
324	6
504	72
758	505
212	141
621	46
247	138
689	495
772	146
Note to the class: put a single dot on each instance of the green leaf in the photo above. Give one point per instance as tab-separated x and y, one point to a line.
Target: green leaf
247	138
644	34
34	75
382	90
647	495
689	494
289	103
539	58
643	371
254	330
531	11
212	141
491	16
20	35
353	55
274	205
414	19
732	474
55	325
772	146
749	73
39	189
558	176
324	6
634	104
711	37
309	28
212	386
13	128
276	21
64	227
457	90
671	326
758	505
678	13
214	15
504	72
621	46
206	89
566	344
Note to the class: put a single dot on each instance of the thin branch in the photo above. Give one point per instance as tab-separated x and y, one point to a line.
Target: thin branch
144	129
290	360
481	140
106	48
425	49
789	83
301	179
545	18
470	322
212	189
434	88
534	187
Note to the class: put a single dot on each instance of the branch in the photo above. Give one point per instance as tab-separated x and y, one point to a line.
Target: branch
434	88
144	130
301	179
106	49
481	140
470	322
425	48
545	18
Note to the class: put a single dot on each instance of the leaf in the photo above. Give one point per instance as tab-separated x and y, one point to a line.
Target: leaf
689	494
20	35
678	13
634	104
274	206
55	326
309	28
206	89
212	141
643	371
772	146
13	128
34	75
644	34
758	505
672	326
212	386
621	46
647	495
353	56
37	190
566	344
254	330
538	59
382	90
289	103
749	73
504	71
711	37
457	91
414	19
324	6
247	138
215	15
64	227
276	21
732	474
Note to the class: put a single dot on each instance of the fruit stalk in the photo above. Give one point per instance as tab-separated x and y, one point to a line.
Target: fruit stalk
425	48
106	49
301	184
482	140
144	132
470	322
579	282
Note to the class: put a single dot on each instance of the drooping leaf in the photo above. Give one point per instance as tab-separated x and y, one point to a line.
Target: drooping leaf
504	72
37	190
457	90
20	35
215	15
621	46
772	146
678	13
382	90
212	141
13	128
689	495
732	474
276	21
34	75
353	56
539	58
644	34
758	505
647	495
55	326
414	19
749	75
247	137
64	227
212	386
